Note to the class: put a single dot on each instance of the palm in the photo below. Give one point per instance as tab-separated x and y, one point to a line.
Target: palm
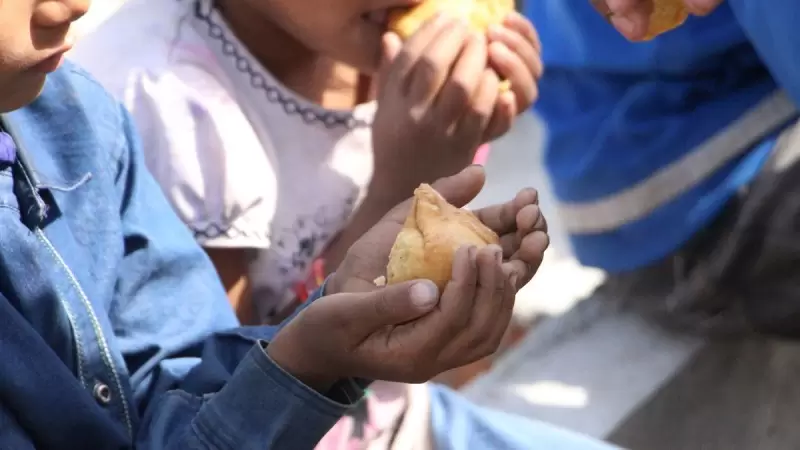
368	257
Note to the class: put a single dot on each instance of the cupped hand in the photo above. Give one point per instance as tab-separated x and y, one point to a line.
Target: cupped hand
519	223
631	17
411	332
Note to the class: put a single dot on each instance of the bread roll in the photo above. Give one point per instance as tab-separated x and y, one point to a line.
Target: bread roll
431	234
667	15
478	14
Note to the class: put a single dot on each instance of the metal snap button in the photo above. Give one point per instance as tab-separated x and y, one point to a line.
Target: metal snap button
102	393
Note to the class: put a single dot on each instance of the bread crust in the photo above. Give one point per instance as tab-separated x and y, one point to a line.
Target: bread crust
667	15
431	234
478	14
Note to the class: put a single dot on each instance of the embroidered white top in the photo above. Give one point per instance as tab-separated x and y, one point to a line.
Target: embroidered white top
245	162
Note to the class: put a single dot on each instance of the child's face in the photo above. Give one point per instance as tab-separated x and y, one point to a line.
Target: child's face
349	31
33	40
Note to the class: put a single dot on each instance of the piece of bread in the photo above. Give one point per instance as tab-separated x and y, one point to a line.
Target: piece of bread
479	14
667	15
431	234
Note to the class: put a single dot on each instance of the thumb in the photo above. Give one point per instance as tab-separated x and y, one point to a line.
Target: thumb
394	304
462	187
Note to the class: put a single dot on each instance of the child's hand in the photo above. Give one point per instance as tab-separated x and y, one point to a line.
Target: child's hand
519	223
436	98
631	17
515	53
410	332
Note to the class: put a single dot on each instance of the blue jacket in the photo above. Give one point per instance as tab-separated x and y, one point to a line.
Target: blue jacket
647	142
116	332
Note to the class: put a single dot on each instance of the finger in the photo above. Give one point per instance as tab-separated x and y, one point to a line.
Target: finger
434	64
519	273
529	219
530	253
502	218
391	305
518	44
602	8
391	44
503	116
465	79
489	295
628	7
458	190
509	66
702	7
519	23
490	286
631	17
407	57
504	314
459	294
462	187
473	123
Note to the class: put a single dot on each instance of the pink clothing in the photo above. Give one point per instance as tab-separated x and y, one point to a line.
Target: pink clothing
482	155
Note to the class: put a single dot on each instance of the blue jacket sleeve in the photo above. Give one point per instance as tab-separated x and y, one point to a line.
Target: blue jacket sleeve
770	26
197	380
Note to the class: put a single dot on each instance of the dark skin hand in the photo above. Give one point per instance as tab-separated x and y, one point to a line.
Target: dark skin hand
411	332
437	104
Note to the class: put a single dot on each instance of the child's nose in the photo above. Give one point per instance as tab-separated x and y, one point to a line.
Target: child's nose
57	13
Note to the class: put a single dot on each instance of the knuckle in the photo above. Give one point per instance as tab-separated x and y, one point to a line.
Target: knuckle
403	59
460	91
428	69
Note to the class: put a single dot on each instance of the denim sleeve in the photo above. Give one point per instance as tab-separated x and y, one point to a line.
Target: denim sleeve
770	26
197	380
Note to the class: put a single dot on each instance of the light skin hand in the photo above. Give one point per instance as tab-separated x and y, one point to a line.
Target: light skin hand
631	17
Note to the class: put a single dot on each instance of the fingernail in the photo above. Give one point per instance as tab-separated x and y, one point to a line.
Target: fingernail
424	294
473	256
498	253
513	280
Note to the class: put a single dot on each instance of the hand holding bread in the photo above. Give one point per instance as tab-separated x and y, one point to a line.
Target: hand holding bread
642	20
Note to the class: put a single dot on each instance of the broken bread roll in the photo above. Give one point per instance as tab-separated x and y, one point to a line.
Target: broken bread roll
667	15
478	14
431	234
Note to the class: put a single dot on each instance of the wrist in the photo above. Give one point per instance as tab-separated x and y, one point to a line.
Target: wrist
384	193
331	286
298	363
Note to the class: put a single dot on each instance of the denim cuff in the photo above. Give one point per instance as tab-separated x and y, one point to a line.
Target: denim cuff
263	406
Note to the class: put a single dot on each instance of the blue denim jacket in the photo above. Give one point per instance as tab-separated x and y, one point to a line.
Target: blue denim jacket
116	332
